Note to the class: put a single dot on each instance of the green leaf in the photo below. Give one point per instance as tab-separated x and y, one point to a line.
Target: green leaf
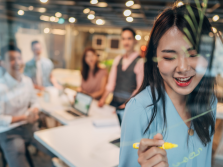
188	35
191	24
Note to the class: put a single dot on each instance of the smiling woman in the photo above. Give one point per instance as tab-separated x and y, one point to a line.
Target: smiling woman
176	98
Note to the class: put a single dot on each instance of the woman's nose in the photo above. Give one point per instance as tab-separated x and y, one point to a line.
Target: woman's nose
183	64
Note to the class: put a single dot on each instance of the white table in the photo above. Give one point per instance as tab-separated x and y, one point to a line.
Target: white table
58	105
81	144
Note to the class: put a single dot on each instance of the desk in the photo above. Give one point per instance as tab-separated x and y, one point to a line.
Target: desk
81	144
58	104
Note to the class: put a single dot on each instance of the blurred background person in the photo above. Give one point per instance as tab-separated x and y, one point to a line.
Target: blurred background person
2	70
126	74
94	78
14	109
39	69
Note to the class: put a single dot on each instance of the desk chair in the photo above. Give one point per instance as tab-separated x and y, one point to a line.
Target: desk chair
28	156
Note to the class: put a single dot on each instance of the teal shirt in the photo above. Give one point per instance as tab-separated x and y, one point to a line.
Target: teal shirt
136	118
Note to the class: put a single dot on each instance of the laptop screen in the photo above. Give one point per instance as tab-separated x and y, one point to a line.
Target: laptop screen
82	103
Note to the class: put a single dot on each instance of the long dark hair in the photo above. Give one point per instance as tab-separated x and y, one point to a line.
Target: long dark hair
202	97
85	67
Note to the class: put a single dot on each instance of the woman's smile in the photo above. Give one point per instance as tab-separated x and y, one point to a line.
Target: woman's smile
183	81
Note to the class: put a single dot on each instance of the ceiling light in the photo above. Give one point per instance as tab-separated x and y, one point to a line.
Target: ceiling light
61	20
44	18
94	2
102	4
52	18
21	12
46	30
92	12
214	30
180	3
91	30
30	8
136	6
211	34
215	18
100	22
58	32
58	14
43	1
129	19
146	37
203	4
127	12
42	10
138	37
72	20
86	11
129	3
90	16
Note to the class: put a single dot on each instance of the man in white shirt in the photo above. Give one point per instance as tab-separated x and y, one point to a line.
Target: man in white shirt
18	110
39	69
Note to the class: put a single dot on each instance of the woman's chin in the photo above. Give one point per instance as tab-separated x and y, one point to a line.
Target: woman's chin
183	91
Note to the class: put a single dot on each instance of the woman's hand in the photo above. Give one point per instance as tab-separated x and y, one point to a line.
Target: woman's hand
101	102
149	153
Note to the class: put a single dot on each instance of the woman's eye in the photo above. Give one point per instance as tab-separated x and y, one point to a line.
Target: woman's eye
169	58
194	55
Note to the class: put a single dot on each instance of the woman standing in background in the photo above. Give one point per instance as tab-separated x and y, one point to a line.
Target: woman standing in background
94	78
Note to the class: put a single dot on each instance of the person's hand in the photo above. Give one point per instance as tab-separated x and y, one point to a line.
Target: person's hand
41	88
121	106
149	153
101	102
33	115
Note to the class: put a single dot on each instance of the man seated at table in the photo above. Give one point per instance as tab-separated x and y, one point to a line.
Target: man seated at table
18	110
39	69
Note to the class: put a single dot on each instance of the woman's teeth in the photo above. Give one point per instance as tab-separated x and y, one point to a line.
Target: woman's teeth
183	79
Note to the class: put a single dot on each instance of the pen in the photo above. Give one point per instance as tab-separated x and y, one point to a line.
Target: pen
165	146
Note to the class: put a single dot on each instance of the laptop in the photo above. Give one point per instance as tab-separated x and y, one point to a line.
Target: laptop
81	105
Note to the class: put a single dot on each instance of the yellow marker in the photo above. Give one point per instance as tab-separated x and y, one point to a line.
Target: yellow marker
165	146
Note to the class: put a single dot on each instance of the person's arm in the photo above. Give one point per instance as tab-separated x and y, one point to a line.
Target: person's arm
134	122
34	105
54	82
101	91
139	71
111	81
6	120
38	87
